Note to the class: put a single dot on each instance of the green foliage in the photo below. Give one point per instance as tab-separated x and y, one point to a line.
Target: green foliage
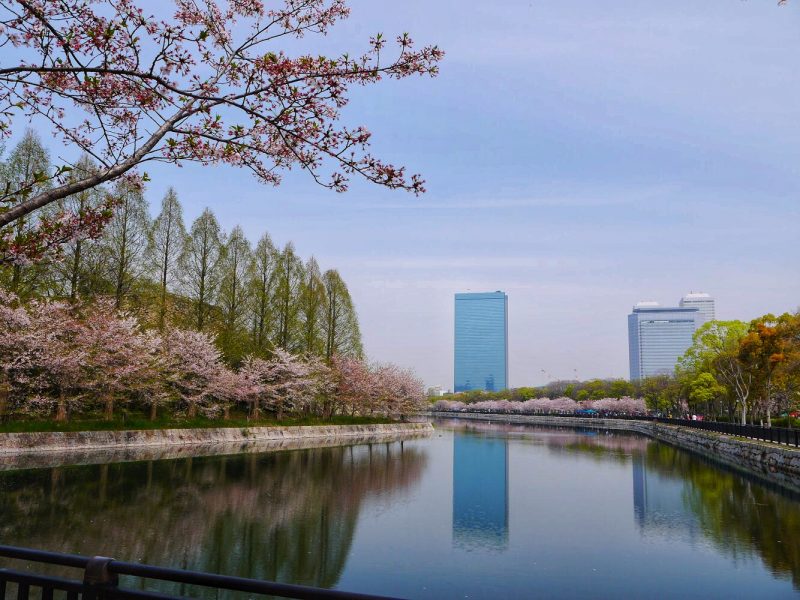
252	300
704	389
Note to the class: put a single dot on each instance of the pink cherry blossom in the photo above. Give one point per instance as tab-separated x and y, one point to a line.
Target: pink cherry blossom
207	83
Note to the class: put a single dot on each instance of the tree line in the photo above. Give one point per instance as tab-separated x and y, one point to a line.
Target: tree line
62	359
253	298
547	406
734	370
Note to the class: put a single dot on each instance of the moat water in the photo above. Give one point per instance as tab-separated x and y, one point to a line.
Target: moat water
475	511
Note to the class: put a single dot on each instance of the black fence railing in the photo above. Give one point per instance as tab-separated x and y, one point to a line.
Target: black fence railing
777	435
100	580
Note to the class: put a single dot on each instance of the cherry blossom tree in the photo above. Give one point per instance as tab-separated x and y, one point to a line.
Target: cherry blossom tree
322	383
192	371
207	84
448	406
402	391
56	359
282	383
17	347
561	405
121	360
352	385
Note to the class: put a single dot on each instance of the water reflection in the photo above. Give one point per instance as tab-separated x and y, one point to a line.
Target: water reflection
676	496
285	516
738	514
480	490
477	510
659	502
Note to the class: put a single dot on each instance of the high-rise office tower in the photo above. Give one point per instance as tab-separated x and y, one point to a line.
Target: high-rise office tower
703	302
658	336
481	342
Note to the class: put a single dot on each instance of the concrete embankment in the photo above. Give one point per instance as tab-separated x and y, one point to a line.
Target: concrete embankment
41	449
775	463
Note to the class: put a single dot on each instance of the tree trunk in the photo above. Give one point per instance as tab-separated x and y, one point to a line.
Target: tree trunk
108	413
61	407
76	265
192	412
255	412
5	392
153	410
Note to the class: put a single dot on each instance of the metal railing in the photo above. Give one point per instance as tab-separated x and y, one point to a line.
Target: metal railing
778	435
100	580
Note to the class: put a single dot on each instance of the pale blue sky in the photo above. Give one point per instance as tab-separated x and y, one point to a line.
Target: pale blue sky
580	155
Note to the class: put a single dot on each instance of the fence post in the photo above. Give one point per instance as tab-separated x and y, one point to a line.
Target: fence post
98	579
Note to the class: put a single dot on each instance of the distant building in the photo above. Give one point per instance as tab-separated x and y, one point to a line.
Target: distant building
704	303
658	336
437	390
481	342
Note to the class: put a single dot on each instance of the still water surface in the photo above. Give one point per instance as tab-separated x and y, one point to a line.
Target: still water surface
475	511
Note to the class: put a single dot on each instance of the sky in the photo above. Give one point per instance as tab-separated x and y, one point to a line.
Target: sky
579	155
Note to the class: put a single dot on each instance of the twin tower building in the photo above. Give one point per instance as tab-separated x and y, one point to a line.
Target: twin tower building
657	337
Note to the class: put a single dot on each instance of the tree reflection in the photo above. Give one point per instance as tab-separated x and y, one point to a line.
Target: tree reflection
284	516
741	516
681	493
676	492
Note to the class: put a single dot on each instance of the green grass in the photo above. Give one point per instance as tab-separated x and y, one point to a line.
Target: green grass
137	421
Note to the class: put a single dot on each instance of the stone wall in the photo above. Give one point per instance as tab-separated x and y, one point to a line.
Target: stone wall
56	441
775	463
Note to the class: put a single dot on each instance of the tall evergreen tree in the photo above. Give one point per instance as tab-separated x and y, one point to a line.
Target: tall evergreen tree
342	333
289	277
125	240
165	247
199	265
262	285
71	276
27	169
235	263
312	310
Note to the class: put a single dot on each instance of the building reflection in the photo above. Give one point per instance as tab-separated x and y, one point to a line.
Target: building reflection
480	491
659	502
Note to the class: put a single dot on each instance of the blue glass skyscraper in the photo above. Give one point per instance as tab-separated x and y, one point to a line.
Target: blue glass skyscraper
481	342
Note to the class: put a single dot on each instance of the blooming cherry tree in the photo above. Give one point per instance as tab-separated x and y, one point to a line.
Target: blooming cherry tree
192	370
55	360
209	84
121	360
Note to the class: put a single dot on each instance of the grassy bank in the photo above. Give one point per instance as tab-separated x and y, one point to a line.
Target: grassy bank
138	422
